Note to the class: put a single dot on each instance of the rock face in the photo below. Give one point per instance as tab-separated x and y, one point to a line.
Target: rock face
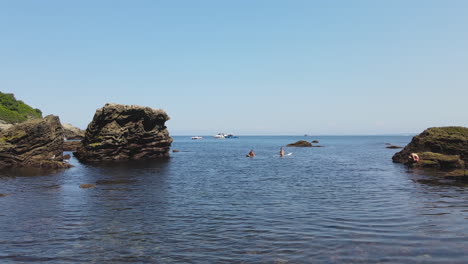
34	143
300	143
443	148
125	132
71	145
72	132
4	125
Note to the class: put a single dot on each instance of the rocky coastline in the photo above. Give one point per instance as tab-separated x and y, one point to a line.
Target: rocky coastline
33	143
439	148
130	132
117	132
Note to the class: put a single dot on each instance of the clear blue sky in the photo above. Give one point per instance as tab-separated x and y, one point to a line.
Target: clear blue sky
244	66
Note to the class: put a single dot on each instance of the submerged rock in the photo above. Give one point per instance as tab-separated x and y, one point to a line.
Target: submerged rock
315	141
125	132
300	143
87	186
34	143
72	132
444	148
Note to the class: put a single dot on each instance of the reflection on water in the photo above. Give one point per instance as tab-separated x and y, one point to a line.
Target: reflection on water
346	202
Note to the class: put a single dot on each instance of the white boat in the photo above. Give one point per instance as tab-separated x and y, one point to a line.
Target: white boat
220	136
194	138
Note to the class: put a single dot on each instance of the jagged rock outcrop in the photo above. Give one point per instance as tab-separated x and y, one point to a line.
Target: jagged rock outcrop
125	132
34	143
72	132
443	148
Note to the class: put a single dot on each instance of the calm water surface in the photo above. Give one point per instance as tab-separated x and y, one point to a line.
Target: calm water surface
343	203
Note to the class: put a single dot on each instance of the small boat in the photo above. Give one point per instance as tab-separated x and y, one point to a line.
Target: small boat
194	138
220	136
230	136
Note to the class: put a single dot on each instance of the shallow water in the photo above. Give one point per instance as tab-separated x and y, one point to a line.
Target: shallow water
345	202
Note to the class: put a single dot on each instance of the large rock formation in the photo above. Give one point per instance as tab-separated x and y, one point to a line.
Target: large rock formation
124	132
72	132
34	143
438	147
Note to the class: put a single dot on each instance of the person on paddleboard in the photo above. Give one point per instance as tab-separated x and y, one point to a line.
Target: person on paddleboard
281	152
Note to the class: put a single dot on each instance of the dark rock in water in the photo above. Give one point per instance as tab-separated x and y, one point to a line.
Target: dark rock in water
87	186
388	144
71	132
443	140
3	195
175	150
315	141
300	143
125	132
394	147
34	143
317	146
444	148
71	145
66	157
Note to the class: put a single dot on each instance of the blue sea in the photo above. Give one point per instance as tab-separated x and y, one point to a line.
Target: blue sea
345	202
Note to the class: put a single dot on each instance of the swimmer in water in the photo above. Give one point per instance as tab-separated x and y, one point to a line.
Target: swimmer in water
281	152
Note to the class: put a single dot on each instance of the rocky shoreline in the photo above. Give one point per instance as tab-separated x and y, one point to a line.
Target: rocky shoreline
34	143
444	149
117	132
130	132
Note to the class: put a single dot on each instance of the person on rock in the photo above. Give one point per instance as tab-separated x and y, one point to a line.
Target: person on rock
413	158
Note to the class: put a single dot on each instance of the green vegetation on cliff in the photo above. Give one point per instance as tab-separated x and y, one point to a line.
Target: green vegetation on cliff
15	111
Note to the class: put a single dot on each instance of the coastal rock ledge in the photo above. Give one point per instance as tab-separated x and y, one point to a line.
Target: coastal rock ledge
125	132
444	148
34	143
